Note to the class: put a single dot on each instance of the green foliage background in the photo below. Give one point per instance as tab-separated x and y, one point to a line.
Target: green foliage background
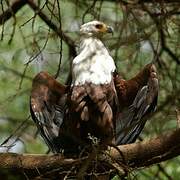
29	46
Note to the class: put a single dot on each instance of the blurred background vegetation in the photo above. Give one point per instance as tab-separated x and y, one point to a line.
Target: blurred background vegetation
42	35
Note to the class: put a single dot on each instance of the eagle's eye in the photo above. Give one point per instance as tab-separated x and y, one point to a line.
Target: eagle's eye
99	26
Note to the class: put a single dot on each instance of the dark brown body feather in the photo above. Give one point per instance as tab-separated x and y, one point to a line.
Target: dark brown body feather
67	116
91	108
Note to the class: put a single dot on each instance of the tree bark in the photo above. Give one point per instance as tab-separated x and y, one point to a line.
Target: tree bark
135	155
15	7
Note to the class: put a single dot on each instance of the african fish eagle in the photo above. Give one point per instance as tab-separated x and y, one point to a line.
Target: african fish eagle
98	103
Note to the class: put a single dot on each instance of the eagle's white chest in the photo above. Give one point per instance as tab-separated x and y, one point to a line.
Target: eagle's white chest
93	64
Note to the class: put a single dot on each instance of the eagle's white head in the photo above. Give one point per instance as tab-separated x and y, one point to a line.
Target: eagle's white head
95	28
94	63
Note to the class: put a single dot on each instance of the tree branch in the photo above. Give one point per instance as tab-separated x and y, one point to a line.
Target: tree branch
13	9
158	1
126	2
53	26
140	154
18	4
151	151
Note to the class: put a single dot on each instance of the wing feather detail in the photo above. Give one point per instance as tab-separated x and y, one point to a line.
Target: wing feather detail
139	95
47	106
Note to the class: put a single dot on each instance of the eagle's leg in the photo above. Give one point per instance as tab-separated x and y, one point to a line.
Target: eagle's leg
104	119
106	122
78	102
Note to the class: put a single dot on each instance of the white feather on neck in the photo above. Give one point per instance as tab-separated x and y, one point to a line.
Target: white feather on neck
93	64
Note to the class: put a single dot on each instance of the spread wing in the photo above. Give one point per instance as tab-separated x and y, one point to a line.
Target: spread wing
47	105
137	99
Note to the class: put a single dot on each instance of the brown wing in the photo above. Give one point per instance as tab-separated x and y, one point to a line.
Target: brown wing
137	98
47	105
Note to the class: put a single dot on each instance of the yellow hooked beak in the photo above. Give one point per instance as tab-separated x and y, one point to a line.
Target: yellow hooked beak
109	29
